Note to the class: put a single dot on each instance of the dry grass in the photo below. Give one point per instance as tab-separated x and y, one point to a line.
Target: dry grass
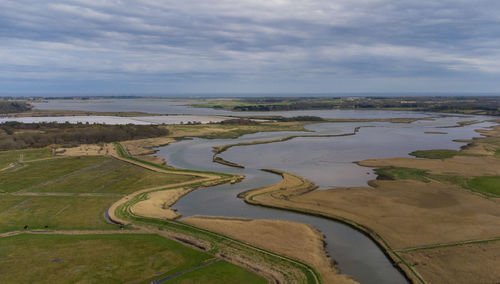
144	146
140	148
231	131
158	204
473	263
84	150
411	213
459	165
292	239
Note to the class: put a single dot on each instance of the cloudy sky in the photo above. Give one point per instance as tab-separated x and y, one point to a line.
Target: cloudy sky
249	46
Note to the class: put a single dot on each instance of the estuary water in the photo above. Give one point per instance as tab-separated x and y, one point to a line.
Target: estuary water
327	161
170	106
116	120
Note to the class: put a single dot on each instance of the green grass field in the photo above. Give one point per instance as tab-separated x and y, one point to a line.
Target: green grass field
84	175
95	258
113	258
401	173
435	154
486	184
56	212
7	157
219	272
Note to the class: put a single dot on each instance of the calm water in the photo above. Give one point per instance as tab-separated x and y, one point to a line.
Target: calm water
140	120
330	161
168	106
326	161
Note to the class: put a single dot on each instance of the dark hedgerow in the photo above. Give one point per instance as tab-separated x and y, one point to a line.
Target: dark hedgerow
17	135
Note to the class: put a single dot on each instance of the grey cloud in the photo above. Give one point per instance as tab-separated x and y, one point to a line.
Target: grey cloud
230	42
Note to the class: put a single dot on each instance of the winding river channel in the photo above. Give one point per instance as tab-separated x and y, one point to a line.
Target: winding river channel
327	161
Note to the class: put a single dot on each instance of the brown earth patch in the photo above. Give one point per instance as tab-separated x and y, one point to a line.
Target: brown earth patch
292	239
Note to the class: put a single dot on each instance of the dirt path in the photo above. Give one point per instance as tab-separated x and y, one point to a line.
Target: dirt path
76	232
44	159
449	244
112	152
23	193
12	165
123	200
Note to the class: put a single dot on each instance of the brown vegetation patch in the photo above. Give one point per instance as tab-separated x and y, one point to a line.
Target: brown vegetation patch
84	150
435	132
409	213
460	165
471	263
158	204
143	148
292	239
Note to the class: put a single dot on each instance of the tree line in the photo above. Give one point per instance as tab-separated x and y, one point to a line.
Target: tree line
13	107
17	135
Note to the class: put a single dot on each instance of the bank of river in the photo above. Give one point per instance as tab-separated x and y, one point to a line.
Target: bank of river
327	162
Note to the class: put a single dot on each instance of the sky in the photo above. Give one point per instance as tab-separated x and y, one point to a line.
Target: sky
249	46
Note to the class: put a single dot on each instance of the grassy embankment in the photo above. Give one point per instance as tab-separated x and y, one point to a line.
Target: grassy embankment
72	194
275	266
281	194
296	240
